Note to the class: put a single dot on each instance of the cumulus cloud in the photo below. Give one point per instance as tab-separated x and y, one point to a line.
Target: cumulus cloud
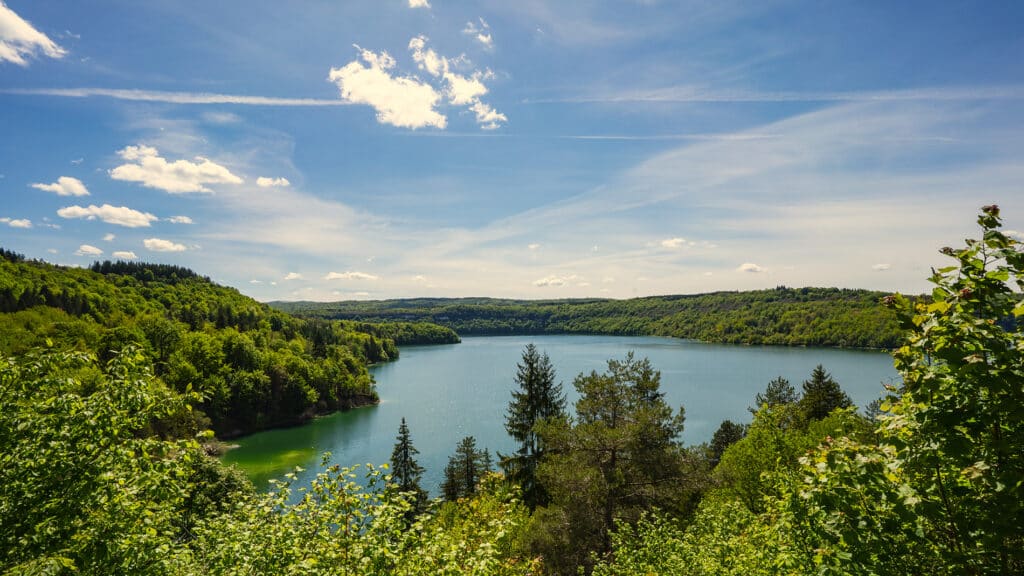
533	246
881	267
179	220
19	40
399	100
460	90
673	243
125	255
17	223
481	33
120	215
293	276
264	182
87	250
64	186
109	238
145	166
751	268
160	245
419	4
350	275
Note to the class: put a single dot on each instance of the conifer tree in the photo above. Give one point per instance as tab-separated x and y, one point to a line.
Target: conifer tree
405	471
778	392
538	399
465	469
822	395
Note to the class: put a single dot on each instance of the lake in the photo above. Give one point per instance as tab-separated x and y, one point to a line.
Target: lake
450	391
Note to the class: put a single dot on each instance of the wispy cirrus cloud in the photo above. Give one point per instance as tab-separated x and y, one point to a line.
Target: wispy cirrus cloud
20	41
119	215
695	94
145	166
175	97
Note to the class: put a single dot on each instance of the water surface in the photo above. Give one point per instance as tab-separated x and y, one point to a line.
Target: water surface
450	391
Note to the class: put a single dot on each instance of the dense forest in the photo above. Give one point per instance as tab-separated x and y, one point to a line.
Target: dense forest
929	482
788	316
253	367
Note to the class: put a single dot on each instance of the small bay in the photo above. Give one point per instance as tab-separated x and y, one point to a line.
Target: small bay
451	391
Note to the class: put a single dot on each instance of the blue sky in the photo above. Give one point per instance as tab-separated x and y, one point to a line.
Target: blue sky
333	150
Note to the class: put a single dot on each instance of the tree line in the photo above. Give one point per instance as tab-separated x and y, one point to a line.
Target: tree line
779	316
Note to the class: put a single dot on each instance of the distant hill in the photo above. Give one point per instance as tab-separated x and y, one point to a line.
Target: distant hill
781	316
255	367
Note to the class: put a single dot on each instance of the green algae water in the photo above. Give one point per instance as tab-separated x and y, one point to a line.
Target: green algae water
451	391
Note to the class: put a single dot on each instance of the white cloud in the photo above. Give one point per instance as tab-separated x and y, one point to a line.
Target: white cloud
399	100
174	97
18	223
264	182
350	275
419	4
77	161
255	281
1014	234
20	40
881	267
120	215
673	243
555	280
292	276
109	237
64	186
87	250
460	90
179	177
159	245
125	255
533	247
751	268
487	117
481	33
179	220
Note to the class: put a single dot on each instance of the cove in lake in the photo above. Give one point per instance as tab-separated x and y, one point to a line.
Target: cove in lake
450	391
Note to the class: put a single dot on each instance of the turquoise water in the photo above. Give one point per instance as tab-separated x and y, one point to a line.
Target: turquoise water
451	391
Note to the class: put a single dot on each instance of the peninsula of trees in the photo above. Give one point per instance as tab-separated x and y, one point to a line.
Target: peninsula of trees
786	316
253	367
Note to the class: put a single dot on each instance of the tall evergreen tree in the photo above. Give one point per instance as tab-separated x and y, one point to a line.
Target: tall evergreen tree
538	399
464	470
778	392
405	471
822	395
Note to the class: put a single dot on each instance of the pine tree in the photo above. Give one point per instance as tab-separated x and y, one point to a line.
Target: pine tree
538	399
779	392
405	471
822	395
465	469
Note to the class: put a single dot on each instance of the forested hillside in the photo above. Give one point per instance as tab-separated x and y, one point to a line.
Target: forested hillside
253	367
788	316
